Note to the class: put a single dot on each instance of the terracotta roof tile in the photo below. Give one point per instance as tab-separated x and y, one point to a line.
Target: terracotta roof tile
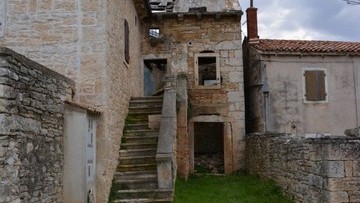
303	46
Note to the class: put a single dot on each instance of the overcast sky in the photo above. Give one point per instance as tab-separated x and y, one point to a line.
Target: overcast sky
306	19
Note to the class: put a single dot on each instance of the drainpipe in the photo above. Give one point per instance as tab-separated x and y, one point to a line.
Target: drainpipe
355	94
265	91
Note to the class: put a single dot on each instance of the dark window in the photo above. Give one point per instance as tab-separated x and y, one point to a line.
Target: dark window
127	39
154	32
315	85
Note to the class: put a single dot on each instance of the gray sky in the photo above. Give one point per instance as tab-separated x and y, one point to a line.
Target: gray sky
306	19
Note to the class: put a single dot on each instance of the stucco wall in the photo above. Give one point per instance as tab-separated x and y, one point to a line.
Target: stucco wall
31	130
323	170
180	39
288	113
84	40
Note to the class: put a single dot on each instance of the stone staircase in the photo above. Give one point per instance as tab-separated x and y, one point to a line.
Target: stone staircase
136	179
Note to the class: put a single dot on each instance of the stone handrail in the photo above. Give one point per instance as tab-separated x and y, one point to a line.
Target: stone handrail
165	155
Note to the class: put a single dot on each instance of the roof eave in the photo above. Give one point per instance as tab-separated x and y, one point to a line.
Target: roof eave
285	53
218	15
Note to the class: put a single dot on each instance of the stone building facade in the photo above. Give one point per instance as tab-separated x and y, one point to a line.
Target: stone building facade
183	41
84	40
31	133
301	87
103	45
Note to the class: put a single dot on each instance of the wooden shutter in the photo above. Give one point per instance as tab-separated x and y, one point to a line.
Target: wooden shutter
315	85
127	39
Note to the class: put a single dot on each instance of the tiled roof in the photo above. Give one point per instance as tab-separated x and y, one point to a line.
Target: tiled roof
303	46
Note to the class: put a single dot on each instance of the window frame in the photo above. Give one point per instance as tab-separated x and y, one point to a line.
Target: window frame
325	84
196	70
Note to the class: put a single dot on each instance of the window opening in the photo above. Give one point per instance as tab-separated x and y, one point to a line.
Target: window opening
315	85
154	32
207	69
127	42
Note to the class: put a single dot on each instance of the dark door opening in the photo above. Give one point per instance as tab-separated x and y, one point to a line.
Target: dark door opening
154	72
209	147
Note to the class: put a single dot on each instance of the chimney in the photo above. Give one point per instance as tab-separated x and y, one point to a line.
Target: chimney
252	25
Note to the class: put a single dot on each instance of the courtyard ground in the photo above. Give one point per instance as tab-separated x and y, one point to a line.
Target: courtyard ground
239	188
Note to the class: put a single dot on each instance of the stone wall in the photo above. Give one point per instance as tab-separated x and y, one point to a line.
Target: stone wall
181	37
308	170
31	130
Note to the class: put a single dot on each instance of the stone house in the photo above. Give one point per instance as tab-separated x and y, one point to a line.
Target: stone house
203	40
118	50
297	93
300	87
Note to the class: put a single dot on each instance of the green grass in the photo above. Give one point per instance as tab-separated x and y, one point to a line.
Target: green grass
239	188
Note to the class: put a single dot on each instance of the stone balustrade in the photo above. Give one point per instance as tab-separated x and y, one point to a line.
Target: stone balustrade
166	163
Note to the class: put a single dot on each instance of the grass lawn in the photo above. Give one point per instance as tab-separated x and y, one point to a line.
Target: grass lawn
240	188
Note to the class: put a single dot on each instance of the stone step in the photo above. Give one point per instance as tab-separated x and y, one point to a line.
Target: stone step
137	152
137	126
136	167
144	193
146	103
144	200
145	111
137	159
137	184
140	139
147	98
135	174
140	132
138	145
143	181
138	118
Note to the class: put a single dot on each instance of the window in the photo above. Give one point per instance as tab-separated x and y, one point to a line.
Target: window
126	43
207	71
154	32
315	85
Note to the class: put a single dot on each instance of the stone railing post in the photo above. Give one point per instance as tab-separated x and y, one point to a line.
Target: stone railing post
182	137
167	135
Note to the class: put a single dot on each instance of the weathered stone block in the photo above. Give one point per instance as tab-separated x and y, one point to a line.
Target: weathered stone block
348	168
234	96
356	168
235	77
316	181
348	184
228	45
339	196
165	142
164	169
354	196
334	169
